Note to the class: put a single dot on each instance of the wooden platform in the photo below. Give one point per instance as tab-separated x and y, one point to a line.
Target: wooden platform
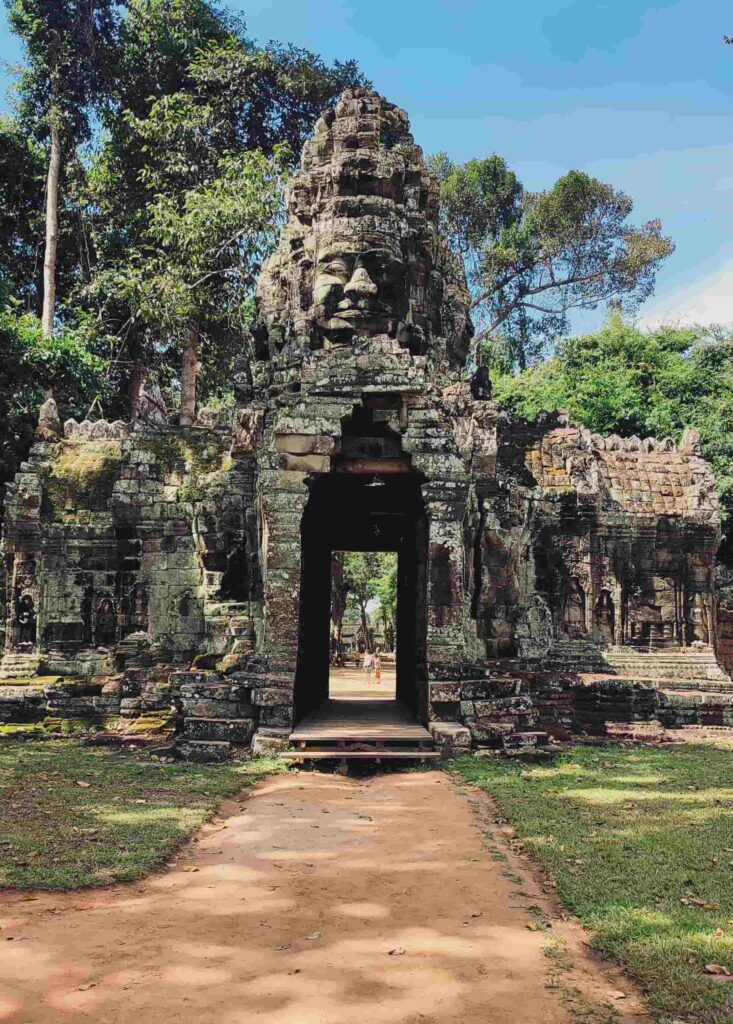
343	719
359	730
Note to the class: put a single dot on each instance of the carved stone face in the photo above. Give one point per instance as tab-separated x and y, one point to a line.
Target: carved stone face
358	287
361	255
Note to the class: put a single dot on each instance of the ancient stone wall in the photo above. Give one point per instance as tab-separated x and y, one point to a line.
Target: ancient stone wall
550	578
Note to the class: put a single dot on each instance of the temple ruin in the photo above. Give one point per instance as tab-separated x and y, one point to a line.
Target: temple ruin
164	578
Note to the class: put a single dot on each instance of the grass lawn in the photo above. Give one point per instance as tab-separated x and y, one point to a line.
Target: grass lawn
640	843
73	816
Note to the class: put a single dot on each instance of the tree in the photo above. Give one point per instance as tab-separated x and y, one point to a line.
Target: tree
72	361
361	571
532	257
209	243
68	45
386	590
339	595
212	114
21	210
626	380
368	575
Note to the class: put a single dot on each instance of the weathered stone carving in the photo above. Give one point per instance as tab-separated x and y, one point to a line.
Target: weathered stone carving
106	623
49	421
150	406
25	620
361	257
95	430
574	610
604	619
193	562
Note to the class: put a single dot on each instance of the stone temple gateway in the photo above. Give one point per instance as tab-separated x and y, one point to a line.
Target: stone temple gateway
550	580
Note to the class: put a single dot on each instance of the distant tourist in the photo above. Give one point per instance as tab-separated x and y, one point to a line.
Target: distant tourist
368	666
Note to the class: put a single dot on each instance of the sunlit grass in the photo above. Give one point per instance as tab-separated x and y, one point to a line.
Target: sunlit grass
640	843
73	816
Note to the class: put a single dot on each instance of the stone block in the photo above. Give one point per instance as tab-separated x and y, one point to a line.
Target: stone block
269	743
445	691
204	751
234	730
271	696
450	738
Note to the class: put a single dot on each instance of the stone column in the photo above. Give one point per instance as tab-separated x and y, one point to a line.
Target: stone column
446	600
283	497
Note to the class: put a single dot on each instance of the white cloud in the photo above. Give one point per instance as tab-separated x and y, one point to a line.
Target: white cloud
707	300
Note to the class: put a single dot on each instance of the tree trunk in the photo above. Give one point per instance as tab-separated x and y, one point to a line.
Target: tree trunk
365	627
189	374
137	379
52	230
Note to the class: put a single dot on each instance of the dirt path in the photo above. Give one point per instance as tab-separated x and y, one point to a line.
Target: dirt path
320	900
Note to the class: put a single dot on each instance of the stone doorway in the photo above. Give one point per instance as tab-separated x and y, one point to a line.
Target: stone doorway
363	512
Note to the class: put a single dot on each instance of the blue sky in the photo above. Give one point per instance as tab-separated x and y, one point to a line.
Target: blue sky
639	93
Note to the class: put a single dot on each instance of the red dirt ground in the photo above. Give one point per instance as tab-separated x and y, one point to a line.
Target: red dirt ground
315	900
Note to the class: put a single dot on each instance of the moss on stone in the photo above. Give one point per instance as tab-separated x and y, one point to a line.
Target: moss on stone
79	724
21	728
35	681
81	475
152	723
204	460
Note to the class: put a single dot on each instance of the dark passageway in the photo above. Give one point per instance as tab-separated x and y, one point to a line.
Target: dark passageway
363	512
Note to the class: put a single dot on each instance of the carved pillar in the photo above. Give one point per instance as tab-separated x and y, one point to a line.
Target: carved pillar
283	500
446	602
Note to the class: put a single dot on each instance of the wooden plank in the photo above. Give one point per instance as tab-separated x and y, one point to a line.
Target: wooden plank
341	719
359	755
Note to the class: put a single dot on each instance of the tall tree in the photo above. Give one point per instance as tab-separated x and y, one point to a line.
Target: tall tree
368	575
69	44
532	257
339	595
361	571
213	97
21	210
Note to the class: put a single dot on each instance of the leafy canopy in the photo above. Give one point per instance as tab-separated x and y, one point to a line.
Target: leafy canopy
70	47
74	362
531	257
626	380
185	194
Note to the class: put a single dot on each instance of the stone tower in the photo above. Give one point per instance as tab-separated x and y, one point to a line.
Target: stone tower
157	567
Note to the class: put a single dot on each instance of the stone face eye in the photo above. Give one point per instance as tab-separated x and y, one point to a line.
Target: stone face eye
337	269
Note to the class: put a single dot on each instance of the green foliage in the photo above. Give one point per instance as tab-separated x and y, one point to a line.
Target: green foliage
532	257
638	841
22	173
69	46
628	381
368	575
74	362
361	572
185	192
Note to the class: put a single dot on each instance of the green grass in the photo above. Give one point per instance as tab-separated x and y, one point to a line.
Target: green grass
133	815
633	838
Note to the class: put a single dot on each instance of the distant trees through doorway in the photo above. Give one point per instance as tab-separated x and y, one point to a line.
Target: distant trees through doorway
363	603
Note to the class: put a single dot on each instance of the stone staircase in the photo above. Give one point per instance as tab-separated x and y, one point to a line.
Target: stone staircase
217	715
360	730
579	656
682	669
19	666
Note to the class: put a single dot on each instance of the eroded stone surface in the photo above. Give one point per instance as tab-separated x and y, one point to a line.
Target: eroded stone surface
183	562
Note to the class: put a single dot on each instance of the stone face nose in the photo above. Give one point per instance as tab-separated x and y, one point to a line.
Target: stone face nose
361	285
